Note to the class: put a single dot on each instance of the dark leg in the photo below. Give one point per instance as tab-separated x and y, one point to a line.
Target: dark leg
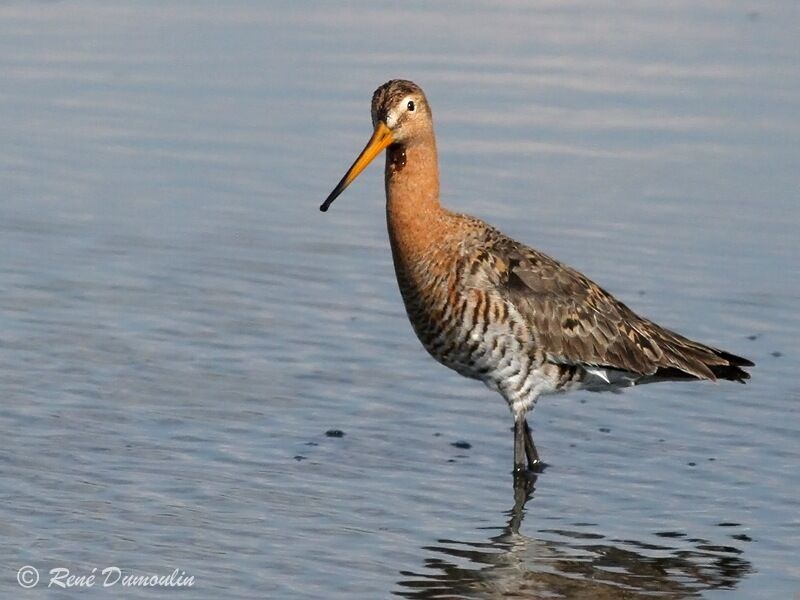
534	463
520	447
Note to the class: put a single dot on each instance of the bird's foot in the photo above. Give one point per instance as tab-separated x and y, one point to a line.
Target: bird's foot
537	466
534	468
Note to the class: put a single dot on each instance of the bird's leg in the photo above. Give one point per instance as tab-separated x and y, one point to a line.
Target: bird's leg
520	446
534	462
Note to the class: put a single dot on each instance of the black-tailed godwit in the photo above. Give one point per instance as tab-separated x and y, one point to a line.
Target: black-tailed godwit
501	312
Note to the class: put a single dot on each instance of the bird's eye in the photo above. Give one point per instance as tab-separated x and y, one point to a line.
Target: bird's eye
410	106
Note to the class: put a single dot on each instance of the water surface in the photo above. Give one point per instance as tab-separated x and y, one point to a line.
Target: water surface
180	326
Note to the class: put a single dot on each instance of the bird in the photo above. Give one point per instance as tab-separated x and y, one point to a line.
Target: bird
498	311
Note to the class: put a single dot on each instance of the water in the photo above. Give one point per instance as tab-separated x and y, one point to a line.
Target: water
180	326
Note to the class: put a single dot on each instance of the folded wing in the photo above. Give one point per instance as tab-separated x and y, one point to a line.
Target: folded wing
576	322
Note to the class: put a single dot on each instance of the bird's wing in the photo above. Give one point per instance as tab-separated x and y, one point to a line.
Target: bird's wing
576	322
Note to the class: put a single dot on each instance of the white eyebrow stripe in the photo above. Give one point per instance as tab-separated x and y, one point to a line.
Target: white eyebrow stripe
394	115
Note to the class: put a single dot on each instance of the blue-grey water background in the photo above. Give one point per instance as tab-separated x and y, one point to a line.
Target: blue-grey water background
180	325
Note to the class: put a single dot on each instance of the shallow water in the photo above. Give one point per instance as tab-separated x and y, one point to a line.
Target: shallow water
180	326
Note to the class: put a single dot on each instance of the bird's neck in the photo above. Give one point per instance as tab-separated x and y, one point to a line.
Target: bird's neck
413	212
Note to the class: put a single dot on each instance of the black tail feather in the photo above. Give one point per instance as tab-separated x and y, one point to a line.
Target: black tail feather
731	371
733	360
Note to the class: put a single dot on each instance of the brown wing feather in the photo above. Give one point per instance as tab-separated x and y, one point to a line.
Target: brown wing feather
577	322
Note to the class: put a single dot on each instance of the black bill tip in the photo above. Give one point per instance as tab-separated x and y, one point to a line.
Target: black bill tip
334	194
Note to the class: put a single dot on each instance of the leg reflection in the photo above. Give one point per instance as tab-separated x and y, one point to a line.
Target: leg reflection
524	485
575	559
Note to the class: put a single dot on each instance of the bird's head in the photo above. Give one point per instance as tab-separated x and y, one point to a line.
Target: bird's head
400	113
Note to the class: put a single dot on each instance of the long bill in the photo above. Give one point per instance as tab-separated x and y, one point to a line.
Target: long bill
381	138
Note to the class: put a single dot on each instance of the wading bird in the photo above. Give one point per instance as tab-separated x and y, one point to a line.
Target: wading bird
501	312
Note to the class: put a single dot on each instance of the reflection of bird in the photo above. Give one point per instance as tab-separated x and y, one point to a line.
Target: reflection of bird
501	312
574	561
